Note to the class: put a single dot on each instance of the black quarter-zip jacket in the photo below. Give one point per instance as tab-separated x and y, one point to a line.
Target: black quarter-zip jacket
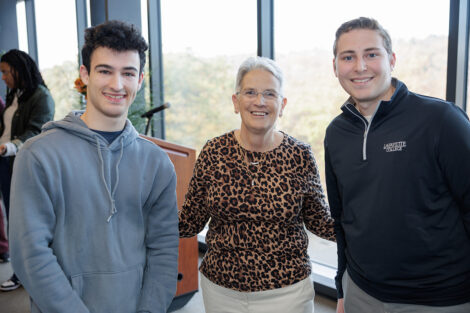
399	191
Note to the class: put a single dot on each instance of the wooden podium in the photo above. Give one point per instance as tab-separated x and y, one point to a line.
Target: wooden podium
183	159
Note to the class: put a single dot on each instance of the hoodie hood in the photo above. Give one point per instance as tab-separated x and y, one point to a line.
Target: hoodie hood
72	123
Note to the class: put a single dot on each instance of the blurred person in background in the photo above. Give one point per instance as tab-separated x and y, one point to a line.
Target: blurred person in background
29	105
4	255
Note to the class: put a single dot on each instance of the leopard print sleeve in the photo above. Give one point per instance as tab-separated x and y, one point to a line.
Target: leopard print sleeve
194	215
315	209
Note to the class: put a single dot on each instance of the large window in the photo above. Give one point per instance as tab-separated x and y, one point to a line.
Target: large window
22	27
204	42
304	35
58	51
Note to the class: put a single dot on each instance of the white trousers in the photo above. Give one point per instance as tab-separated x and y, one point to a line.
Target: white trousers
297	298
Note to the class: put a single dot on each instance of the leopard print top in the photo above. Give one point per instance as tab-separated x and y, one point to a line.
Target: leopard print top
256	239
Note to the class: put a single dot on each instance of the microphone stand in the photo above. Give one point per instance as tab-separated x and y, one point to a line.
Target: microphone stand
148	124
149	115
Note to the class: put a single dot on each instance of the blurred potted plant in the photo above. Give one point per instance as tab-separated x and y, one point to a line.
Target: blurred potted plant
80	86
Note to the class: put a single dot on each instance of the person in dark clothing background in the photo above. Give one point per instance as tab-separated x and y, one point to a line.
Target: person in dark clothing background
397	172
4	255
29	105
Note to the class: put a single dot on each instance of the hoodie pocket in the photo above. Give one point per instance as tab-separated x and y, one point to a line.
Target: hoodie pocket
116	292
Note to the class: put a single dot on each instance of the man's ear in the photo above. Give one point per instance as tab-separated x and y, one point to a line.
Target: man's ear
84	74
141	80
334	67
393	60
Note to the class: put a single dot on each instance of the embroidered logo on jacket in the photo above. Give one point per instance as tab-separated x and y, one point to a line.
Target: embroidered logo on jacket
395	146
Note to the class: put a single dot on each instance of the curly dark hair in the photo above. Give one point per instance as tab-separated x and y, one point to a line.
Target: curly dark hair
115	35
25	73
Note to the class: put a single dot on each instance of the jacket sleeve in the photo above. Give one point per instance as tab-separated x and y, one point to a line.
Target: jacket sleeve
42	111
334	199
161	240
194	215
32	223
315	210
454	158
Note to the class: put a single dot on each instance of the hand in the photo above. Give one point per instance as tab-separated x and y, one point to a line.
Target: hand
340	306
3	149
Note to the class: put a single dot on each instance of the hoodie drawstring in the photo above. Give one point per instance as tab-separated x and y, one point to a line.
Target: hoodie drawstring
110	194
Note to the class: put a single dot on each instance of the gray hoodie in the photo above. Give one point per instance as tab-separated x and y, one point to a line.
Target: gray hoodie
94	226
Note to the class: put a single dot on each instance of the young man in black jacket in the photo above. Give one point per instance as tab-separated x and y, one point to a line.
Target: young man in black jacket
398	179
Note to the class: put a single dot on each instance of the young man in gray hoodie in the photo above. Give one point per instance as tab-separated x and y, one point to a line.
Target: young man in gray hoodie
94	224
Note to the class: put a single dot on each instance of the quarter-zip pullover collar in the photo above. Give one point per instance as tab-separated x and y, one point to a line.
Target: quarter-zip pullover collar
383	107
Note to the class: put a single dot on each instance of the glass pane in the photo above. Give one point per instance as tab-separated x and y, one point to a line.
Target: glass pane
22	28
142	101
468	84
58	52
204	42
144	19
304	36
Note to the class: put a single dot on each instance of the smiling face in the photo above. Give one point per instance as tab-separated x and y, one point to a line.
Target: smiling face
112	85
364	68
259	115
7	74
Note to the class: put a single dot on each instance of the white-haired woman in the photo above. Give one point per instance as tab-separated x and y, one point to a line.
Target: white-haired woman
259	187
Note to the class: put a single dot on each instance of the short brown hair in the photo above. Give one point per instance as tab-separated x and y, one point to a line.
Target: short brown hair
364	23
